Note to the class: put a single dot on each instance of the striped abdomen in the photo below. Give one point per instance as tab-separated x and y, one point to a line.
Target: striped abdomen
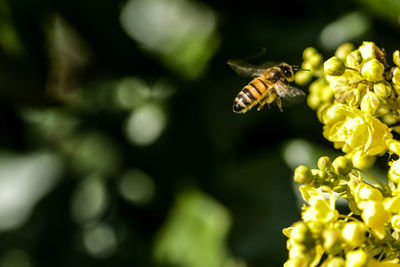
250	95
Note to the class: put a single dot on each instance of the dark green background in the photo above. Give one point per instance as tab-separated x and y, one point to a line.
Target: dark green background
236	159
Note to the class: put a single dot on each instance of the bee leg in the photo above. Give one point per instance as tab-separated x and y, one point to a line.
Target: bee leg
262	103
279	103
268	99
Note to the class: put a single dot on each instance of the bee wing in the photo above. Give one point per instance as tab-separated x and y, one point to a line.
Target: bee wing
245	69
290	95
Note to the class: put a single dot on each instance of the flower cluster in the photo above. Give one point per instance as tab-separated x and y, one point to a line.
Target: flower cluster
357	98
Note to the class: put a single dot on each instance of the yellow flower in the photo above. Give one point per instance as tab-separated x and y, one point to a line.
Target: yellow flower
374	263
392	204
320	93
354	59
394	171
356	101
393	146
382	89
395	221
373	70
352	130
335	262
343	82
365	192
370	103
361	160
353	233
375	216
301	234
396	76
367	50
356	258
343	50
396	58
320	209
301	261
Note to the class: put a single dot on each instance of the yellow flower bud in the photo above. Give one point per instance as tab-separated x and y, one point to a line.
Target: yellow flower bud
300	261
318	176
394	172
375	263
301	234
309	52
334	66
320	211
370	103
324	163
315	61
367	50
343	50
362	161
338	83
342	165
353	97
382	89
303	77
302	175
296	249
353	233
321	91
365	192
392	204
313	101
375	216
340	188
396	58
396	76
393	146
373	70
335	262
396	88
331	241
395	221
356	258
354	59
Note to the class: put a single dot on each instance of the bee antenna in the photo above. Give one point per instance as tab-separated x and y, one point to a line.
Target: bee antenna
297	68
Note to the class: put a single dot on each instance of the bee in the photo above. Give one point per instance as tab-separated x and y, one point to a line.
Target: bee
269	85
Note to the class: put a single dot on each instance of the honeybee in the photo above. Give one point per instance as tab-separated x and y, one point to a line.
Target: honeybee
269	85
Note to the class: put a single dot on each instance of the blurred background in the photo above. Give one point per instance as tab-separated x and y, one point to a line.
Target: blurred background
118	143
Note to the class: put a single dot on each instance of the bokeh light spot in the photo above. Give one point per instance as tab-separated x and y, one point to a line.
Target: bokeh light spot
136	186
89	200
344	29
145	124
100	240
24	180
297	152
181	31
131	92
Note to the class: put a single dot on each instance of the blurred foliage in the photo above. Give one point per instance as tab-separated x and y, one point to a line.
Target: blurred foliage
118	140
195	232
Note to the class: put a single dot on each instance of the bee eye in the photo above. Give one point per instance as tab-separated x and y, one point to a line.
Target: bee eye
286	71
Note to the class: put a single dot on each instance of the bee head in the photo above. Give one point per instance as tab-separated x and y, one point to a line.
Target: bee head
288	70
